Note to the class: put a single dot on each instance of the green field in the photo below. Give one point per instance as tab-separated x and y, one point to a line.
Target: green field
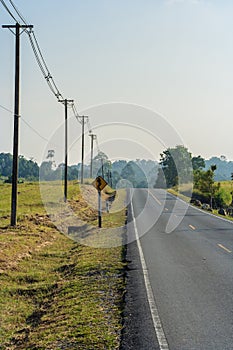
56	293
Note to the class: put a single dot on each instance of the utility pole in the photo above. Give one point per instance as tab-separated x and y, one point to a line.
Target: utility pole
93	137
110	178
65	102
83	141
14	193
102	167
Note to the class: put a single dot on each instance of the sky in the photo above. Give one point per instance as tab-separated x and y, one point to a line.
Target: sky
149	74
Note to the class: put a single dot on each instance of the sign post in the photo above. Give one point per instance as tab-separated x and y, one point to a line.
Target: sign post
99	209
99	183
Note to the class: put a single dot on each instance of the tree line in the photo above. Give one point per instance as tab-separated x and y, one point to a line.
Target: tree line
120	173
178	167
27	169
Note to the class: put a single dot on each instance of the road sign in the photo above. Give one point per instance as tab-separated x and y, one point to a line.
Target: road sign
99	183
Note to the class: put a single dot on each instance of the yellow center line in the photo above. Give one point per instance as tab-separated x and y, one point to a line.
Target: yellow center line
226	249
192	227
158	201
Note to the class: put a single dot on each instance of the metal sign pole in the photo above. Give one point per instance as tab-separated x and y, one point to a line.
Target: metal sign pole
99	209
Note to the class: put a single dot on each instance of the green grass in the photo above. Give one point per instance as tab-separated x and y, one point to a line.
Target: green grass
29	199
180	195
116	215
228	185
56	293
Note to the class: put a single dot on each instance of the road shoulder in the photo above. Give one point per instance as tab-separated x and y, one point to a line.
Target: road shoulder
138	331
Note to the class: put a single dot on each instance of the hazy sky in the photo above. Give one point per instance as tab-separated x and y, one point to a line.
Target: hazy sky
173	57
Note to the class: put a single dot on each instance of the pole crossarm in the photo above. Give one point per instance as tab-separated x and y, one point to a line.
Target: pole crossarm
14	26
66	101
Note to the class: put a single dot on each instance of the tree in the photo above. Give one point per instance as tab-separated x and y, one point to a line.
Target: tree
204	182
6	160
160	181
135	175
50	156
176	165
99	166
28	169
73	172
115	178
224	168
198	163
213	167
46	172
223	198
129	174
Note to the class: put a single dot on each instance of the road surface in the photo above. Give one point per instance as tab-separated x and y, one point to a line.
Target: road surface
189	272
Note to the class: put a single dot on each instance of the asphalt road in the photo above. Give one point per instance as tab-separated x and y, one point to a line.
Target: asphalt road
190	272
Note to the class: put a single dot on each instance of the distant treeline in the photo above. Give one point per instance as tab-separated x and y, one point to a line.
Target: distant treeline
28	169
120	173
224	168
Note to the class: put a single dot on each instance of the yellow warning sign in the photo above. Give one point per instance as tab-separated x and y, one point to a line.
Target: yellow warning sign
99	183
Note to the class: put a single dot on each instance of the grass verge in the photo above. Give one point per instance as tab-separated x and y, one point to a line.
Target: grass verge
55	293
187	199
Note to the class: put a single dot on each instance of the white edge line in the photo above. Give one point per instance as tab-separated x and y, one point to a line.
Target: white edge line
150	296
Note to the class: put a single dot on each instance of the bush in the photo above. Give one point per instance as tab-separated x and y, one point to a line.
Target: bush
199	196
223	198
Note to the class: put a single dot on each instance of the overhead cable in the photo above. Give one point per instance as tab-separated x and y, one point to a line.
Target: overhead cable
18	13
42	64
25	122
6	109
8	10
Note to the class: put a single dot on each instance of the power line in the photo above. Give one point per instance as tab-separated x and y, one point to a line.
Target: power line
26	123
18	13
47	74
6	109
41	61
44	68
34	130
42	65
36	50
10	13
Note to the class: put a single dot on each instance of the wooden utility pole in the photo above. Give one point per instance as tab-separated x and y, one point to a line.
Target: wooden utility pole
83	141
102	167
65	102
14	193
93	137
